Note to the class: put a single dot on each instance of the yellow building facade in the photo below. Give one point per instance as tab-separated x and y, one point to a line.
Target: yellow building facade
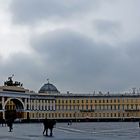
98	107
50	103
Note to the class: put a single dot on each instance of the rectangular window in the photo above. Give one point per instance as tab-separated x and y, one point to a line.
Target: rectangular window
56	115
90	107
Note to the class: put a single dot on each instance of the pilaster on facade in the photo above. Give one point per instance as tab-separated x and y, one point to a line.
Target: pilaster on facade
25	104
3	102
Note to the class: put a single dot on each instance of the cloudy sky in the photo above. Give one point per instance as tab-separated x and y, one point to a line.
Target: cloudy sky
80	45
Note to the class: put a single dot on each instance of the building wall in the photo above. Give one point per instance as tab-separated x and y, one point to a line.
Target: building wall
79	107
95	107
41	108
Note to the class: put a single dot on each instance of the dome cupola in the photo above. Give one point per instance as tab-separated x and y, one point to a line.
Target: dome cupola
49	89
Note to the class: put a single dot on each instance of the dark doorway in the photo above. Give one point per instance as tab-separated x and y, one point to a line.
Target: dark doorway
14	109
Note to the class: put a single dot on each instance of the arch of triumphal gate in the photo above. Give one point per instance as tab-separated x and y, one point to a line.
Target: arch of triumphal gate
14	103
24	105
18	102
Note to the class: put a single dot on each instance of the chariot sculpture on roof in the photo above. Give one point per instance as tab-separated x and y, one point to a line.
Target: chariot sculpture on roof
10	82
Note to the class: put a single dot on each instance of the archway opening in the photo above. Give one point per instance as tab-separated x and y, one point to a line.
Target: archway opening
14	109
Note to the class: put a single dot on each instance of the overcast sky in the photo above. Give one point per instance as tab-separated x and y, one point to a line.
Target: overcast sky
80	45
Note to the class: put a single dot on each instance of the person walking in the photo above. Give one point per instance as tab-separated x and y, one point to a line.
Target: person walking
51	126
45	123
10	124
3	122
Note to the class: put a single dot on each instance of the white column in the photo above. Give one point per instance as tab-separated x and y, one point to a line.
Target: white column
34	103
51	105
43	104
3	108
47	105
29	103
3	103
54	105
37	104
25	104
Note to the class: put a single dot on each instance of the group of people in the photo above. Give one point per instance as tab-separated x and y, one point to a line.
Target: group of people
2	122
48	124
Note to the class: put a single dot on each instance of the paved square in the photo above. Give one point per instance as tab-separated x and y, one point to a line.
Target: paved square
77	131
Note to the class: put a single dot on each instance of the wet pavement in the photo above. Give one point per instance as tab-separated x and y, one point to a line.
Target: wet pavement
77	131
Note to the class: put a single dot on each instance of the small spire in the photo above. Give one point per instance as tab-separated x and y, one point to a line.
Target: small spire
48	80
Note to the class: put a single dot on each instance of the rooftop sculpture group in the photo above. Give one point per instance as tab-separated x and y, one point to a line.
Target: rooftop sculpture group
10	82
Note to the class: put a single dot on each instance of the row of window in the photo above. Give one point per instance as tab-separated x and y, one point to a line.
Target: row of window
117	107
81	115
98	101
42	108
41	101
80	107
97	107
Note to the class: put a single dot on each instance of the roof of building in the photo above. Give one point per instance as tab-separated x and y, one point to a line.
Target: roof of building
48	88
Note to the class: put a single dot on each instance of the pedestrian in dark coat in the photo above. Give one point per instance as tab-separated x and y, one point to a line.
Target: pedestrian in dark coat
48	124
51	126
2	122
10	124
45	123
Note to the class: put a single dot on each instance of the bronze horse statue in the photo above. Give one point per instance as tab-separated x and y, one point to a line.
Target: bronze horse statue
10	82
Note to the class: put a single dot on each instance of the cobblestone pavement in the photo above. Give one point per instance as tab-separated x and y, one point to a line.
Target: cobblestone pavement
77	131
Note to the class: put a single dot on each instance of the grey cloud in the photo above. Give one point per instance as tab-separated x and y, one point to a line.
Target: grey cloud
81	62
31	11
107	27
76	63
67	48
133	49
